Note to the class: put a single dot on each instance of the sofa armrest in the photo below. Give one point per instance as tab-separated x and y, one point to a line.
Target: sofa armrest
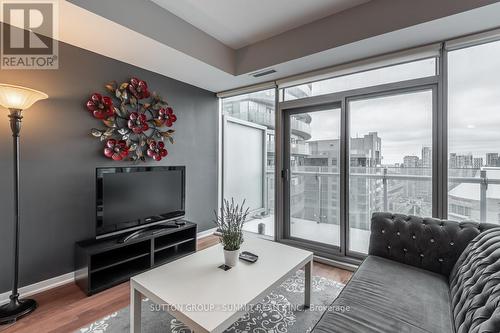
427	243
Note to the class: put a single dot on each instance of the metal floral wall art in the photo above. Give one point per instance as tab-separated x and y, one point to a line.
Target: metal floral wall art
137	123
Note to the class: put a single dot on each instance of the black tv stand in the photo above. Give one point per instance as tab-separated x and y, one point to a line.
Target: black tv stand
101	264
154	229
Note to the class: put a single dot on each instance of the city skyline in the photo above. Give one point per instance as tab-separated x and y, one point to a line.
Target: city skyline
424	158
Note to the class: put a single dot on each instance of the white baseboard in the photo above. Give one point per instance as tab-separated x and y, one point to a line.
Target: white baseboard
63	279
206	233
40	286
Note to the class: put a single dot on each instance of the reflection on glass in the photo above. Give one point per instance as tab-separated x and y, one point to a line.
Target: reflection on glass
390	158
474	136
407	71
315	180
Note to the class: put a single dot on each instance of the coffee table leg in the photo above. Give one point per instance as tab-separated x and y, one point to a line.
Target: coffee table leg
135	310
308	284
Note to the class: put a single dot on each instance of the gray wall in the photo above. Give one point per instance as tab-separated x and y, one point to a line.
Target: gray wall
59	157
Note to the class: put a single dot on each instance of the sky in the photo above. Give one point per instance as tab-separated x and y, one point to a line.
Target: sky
404	122
474	100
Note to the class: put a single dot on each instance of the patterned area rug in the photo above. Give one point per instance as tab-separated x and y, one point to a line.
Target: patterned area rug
278	312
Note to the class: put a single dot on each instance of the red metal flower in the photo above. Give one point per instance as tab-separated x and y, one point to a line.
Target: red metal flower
167	116
157	150
101	107
138	122
116	150
138	88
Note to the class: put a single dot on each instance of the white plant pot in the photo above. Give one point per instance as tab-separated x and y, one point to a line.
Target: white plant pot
231	257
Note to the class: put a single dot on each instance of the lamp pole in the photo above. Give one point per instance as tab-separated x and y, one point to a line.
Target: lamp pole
15	125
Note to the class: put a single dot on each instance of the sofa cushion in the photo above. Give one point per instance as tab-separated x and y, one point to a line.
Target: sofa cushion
387	296
427	243
475	285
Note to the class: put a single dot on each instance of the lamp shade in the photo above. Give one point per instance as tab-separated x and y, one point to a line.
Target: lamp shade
16	97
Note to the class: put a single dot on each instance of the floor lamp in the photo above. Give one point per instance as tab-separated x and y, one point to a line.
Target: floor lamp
17	99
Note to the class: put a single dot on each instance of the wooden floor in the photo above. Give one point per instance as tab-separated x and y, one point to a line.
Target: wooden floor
66	308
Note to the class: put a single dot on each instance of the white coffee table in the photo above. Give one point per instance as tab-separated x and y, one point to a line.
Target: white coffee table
209	299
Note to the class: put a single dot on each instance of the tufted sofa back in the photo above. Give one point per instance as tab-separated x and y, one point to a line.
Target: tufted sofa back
428	243
475	285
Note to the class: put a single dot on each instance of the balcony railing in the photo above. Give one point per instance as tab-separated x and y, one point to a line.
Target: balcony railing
300	148
388	179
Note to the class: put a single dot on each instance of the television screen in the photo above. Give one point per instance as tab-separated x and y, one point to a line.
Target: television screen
137	196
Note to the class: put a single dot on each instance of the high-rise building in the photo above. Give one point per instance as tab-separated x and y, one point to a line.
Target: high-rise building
321	193
366	151
478	162
469	161
427	157
492	160
453	162
411	162
465	161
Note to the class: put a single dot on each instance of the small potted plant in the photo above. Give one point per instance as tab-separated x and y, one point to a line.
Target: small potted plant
229	229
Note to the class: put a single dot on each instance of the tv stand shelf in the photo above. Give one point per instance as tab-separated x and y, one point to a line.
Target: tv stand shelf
101	264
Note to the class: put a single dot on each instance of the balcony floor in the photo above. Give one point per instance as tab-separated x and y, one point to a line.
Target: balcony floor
310	230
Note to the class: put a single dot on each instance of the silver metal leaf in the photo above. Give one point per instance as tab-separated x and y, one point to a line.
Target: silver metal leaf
123	112
95	132
109	132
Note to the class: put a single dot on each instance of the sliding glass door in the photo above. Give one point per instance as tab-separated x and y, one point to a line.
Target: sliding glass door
347	159
312	179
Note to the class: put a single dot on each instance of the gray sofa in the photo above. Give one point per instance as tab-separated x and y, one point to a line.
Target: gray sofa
422	275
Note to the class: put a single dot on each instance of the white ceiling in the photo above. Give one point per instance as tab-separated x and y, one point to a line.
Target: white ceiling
226	21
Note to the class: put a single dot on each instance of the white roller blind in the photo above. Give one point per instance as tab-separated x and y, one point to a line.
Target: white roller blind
247	90
481	38
420	53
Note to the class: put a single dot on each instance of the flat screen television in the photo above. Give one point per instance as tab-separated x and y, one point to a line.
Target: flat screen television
131	198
